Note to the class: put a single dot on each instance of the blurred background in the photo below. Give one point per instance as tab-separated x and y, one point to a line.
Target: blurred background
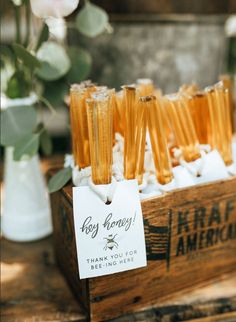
171	42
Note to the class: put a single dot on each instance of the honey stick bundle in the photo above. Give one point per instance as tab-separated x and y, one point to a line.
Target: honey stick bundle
99	112
182	125
170	137
183	120
158	139
220	121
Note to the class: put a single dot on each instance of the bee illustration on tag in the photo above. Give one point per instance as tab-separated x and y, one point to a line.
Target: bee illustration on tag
111	243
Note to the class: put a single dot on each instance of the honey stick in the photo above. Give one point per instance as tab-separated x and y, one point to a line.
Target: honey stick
140	139
189	89
119	113
228	84
193	142
145	86
220	120
130	102
199	110
182	125
224	122
158	139
78	117
228	157
99	112
214	136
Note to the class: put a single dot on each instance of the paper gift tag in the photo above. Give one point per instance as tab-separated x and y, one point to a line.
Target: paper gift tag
109	238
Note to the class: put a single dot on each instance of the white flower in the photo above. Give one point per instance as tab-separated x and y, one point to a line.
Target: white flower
57	27
230	26
53	8
17	2
69	161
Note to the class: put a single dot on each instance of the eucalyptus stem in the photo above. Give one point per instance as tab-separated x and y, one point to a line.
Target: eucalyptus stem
17	22
43	36
27	21
48	104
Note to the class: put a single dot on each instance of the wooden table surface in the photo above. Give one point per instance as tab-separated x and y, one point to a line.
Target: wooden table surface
33	289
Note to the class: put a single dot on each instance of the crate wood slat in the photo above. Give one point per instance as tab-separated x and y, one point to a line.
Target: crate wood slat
190	239
32	289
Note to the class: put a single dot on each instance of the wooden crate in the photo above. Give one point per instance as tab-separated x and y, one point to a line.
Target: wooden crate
190	240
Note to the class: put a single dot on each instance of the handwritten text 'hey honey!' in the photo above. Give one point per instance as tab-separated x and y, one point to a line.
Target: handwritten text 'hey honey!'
91	228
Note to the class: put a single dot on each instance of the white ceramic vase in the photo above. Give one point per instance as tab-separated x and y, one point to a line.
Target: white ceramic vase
26	214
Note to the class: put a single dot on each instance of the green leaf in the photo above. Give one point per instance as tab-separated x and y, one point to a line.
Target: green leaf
45	142
6	52
91	20
43	36
81	62
26	146
7	70
60	179
18	85
16	122
55	91
25	56
55	62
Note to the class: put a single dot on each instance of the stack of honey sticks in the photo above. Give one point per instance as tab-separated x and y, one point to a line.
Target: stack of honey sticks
184	120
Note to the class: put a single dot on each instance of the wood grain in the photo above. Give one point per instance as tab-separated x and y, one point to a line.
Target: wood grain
33	290
214	205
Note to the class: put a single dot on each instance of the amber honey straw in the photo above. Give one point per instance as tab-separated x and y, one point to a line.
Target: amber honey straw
227	84
145	86
224	122
221	127
220	118
189	90
158	140
130	102
140	139
168	131
99	112
183	127
214	137
219	115
78	117
228	157
198	106
174	121
190	132
111	93
119	113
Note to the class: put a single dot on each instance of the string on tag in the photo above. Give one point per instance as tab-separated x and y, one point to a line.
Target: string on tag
161	187
232	169
193	168
143	185
106	198
80	177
